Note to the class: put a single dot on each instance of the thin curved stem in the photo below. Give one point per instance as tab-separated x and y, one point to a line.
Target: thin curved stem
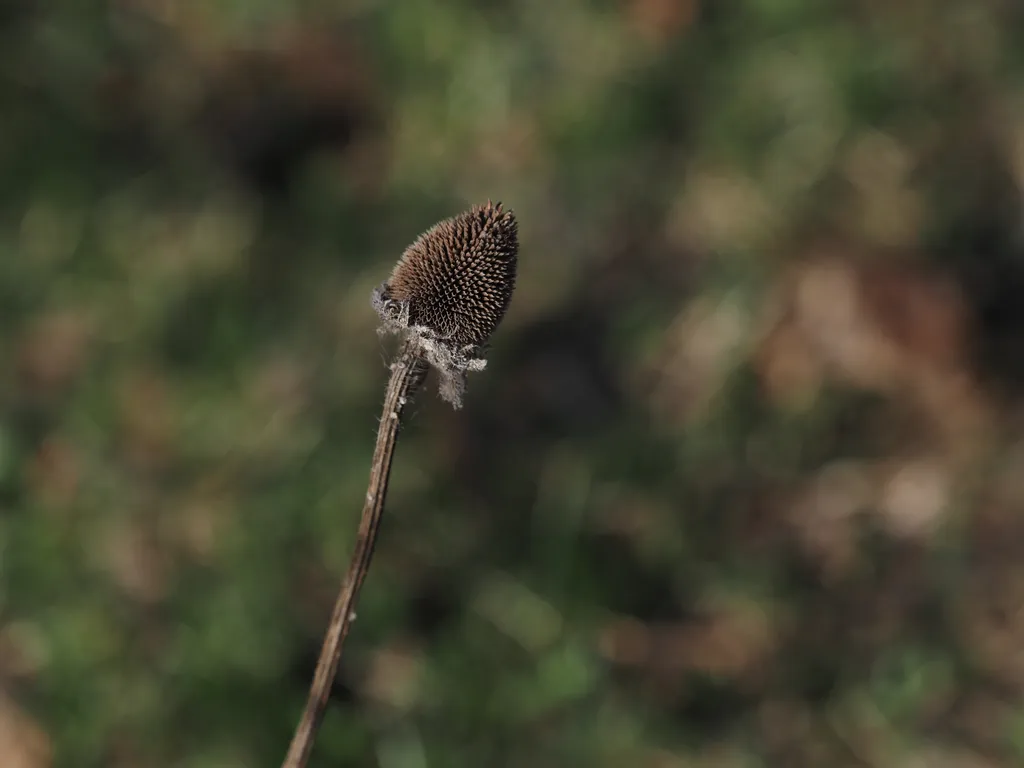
407	373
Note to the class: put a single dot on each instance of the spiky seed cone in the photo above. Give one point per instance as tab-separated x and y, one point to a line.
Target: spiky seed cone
457	277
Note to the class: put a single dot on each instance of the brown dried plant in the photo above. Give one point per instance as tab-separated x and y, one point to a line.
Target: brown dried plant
444	299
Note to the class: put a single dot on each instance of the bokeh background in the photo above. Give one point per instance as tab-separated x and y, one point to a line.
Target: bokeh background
743	484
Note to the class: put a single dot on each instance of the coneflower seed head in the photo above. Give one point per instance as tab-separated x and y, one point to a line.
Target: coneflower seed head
457	278
450	289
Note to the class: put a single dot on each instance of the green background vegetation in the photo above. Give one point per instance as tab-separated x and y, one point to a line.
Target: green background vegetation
743	483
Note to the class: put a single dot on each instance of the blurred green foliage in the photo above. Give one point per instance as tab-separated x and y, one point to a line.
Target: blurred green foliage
741	486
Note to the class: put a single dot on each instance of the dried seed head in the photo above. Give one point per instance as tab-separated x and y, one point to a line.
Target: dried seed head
451	288
457	278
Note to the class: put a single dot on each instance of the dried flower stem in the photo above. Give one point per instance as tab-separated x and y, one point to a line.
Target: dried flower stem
445	297
407	373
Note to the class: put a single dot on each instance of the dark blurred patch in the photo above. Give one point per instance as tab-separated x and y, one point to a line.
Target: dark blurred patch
15	13
433	603
266	113
712	707
979	236
259	114
630	584
561	379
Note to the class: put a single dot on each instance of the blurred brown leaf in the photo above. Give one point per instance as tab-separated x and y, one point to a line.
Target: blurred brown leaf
53	352
23	744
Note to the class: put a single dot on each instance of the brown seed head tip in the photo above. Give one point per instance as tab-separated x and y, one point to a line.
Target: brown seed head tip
457	278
